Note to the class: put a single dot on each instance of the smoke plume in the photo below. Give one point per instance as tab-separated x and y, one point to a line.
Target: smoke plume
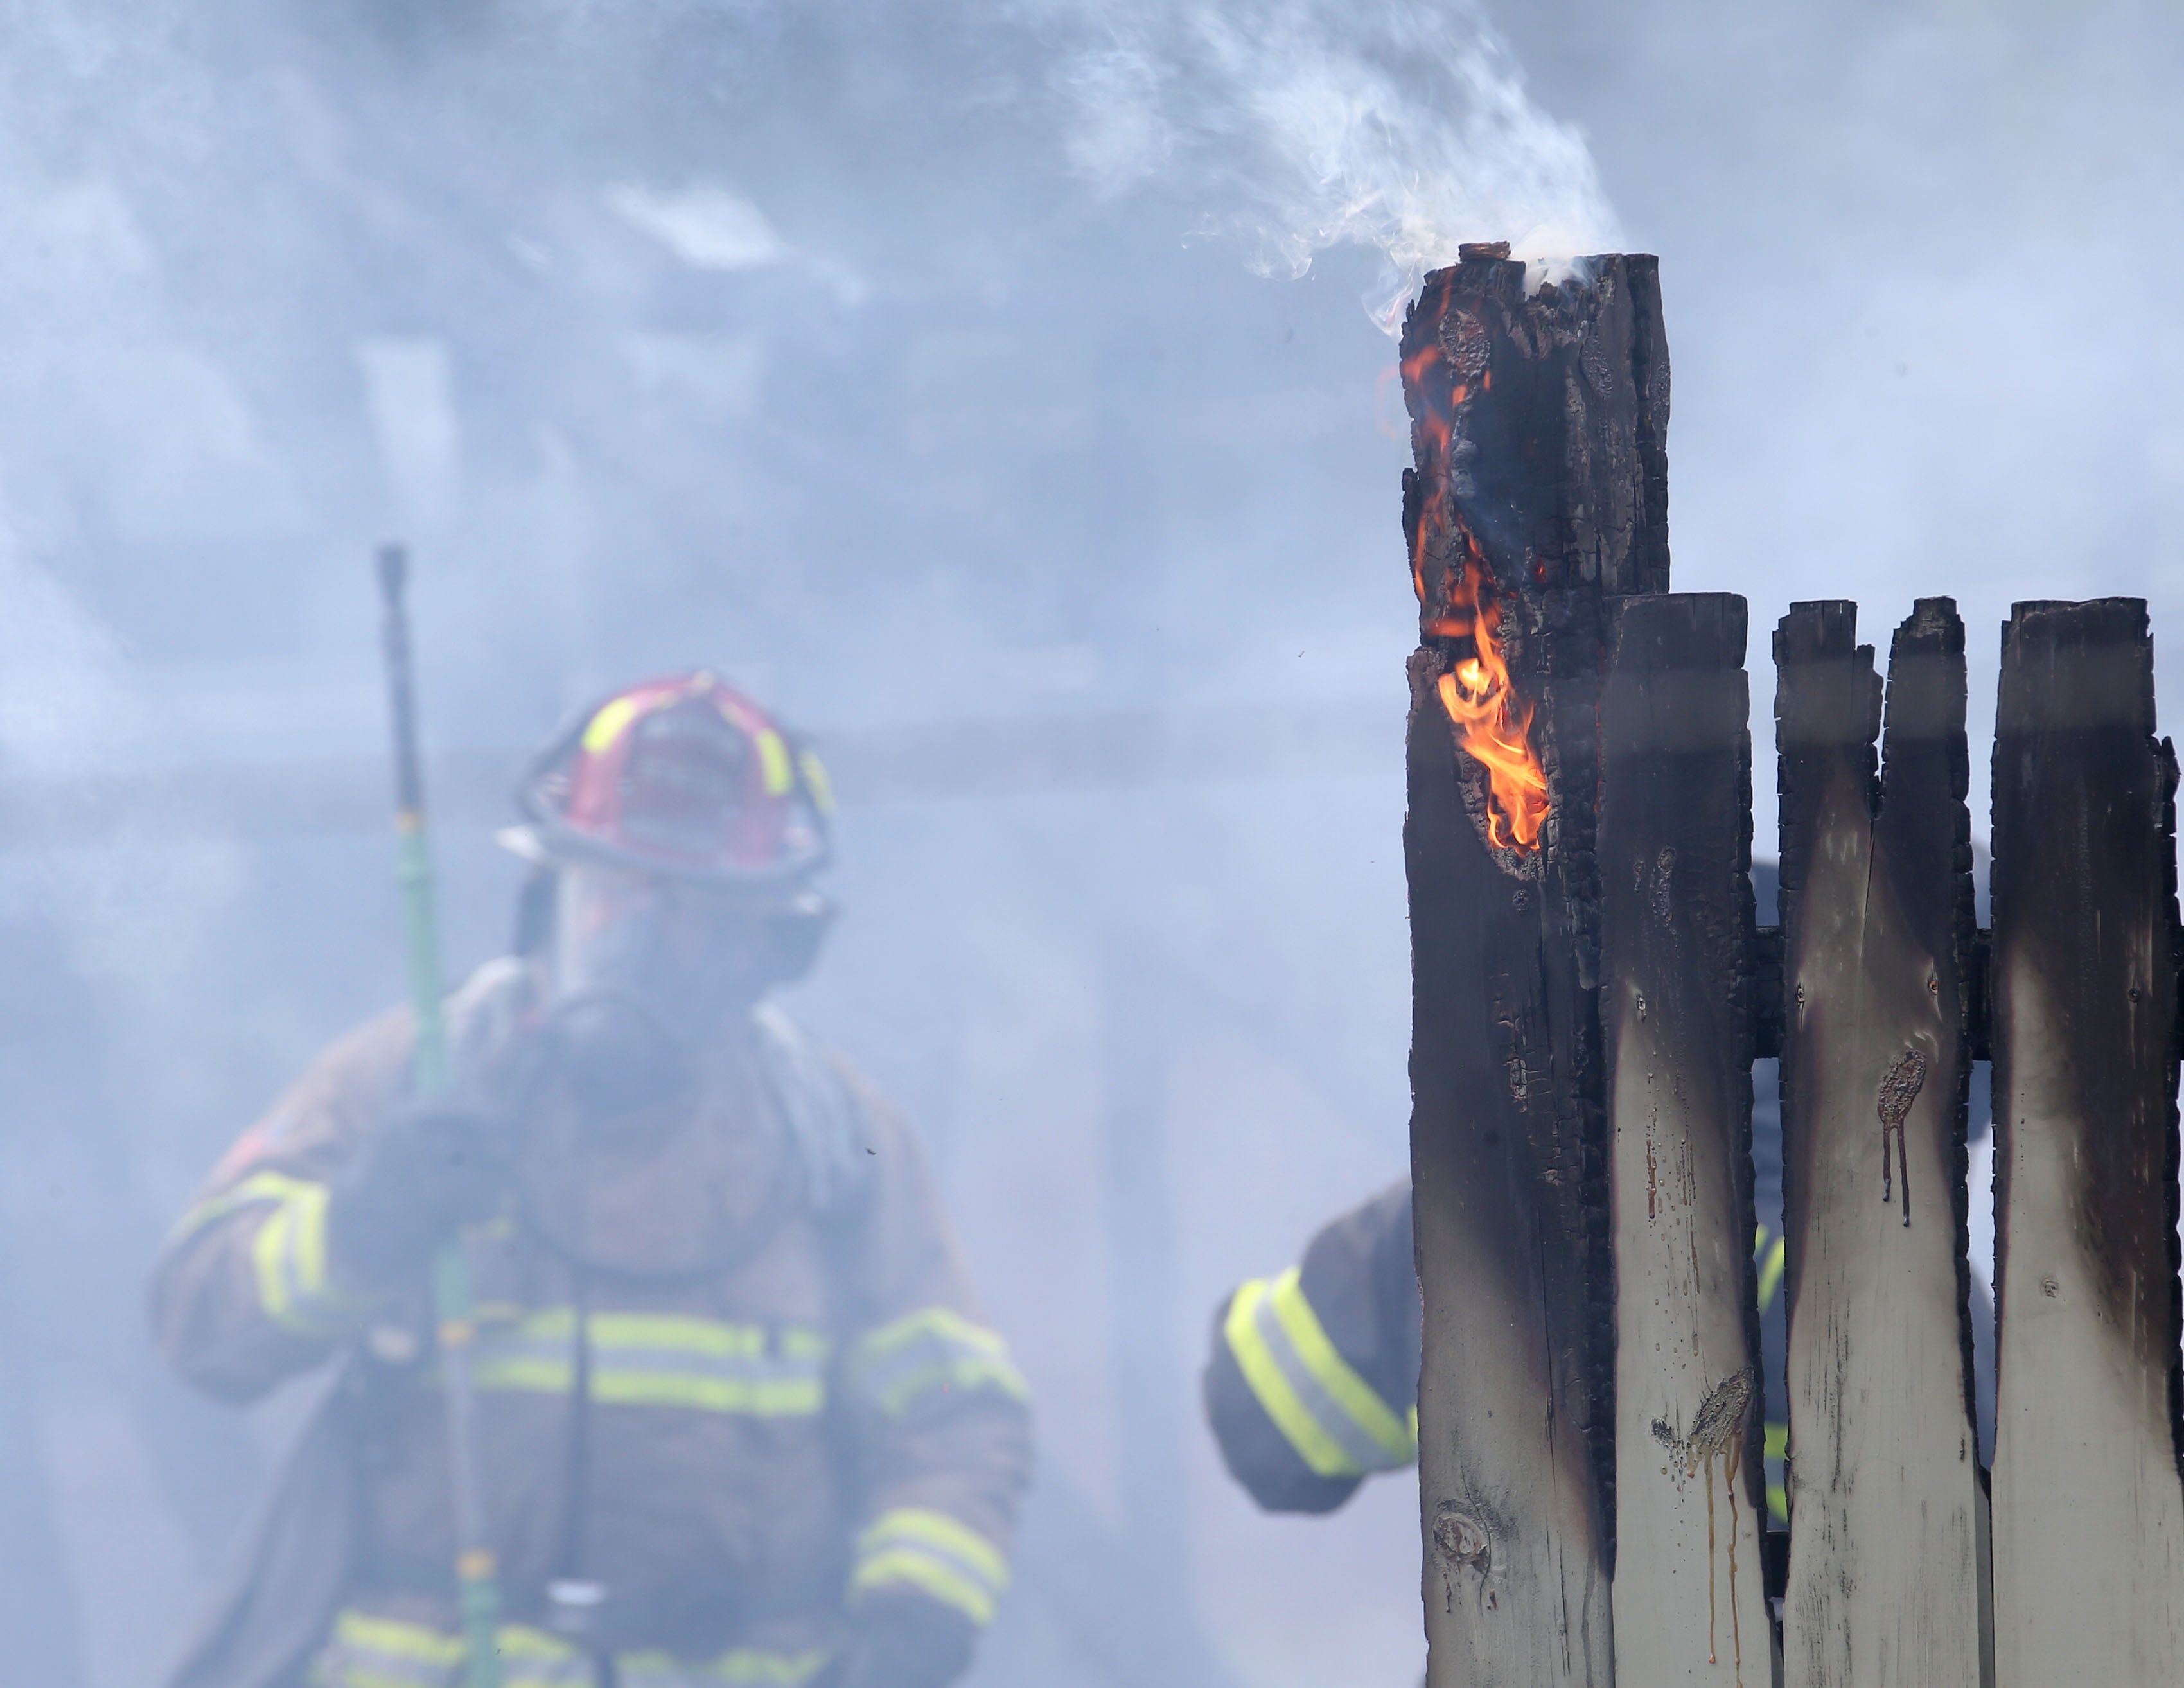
1399	124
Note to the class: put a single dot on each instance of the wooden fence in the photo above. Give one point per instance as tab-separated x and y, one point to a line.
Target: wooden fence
1588	1007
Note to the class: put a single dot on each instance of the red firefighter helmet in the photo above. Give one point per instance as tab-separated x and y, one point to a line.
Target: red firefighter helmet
685	777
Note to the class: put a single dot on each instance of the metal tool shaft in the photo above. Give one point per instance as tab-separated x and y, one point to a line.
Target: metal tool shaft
476	1572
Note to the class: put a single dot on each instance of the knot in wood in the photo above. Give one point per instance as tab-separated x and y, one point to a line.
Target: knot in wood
1462	1539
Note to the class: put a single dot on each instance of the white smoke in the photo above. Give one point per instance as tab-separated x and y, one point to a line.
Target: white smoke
1399	124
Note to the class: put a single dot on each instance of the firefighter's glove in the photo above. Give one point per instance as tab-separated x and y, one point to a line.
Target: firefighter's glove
901	1638
434	1165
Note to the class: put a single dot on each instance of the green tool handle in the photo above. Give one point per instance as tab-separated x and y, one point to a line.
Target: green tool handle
476	1574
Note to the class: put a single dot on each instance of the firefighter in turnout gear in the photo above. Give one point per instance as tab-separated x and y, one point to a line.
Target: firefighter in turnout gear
740	1424
1312	1382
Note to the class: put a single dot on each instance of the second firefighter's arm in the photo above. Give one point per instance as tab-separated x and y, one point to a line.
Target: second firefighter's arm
1314	1379
244	1295
942	1414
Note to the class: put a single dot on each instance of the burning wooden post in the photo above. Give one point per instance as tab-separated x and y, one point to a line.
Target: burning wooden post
1675	843
1878	940
2088	1509
1538	425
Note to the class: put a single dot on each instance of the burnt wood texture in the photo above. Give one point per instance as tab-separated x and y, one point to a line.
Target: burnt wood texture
1676	929
1884	1478
1539	490
2088	1510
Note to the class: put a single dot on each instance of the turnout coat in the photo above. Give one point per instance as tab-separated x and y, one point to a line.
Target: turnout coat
730	1371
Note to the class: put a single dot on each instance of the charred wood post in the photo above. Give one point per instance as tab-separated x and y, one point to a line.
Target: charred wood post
1538	422
2088	1509
1676	918
1883	1475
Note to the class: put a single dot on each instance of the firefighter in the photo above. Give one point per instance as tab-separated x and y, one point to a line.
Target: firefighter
739	1422
1312	1383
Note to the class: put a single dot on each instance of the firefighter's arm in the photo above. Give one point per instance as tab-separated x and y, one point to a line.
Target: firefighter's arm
942	1416
245	1293
1312	1381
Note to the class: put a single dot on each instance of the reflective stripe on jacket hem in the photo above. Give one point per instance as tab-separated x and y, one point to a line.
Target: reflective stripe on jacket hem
933	1350
1337	1422
932	1553
386	1652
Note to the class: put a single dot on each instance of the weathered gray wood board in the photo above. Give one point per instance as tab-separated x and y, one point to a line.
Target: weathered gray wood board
1516	1525
1676	917
1540	487
2088	1511
1876	900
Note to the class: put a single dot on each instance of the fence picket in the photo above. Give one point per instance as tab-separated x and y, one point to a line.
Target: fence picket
1675	845
1883	1471
2088	1509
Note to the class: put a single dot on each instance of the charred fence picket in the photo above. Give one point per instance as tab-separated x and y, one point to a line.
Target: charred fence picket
1590	990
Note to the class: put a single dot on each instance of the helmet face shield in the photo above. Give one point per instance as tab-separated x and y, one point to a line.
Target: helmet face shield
688	953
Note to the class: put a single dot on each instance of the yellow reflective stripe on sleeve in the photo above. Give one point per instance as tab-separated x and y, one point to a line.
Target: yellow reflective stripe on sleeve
660	1360
288	1257
942	1556
1337	1423
1771	1264
1775	1445
932	1350
257	1187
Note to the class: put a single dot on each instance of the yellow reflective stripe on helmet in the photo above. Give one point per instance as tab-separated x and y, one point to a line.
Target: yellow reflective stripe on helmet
933	1348
774	762
1771	1264
660	1360
288	1258
817	782
612	720
257	1187
1335	1421
942	1556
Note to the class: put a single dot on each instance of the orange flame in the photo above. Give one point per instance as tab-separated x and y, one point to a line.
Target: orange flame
1493	722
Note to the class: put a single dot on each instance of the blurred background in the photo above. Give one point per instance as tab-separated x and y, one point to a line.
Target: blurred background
994	389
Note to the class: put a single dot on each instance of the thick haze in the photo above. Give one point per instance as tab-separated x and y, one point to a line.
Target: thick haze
988	386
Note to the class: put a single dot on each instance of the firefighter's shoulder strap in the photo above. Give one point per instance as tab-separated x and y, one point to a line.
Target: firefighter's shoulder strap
825	1119
270	1619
